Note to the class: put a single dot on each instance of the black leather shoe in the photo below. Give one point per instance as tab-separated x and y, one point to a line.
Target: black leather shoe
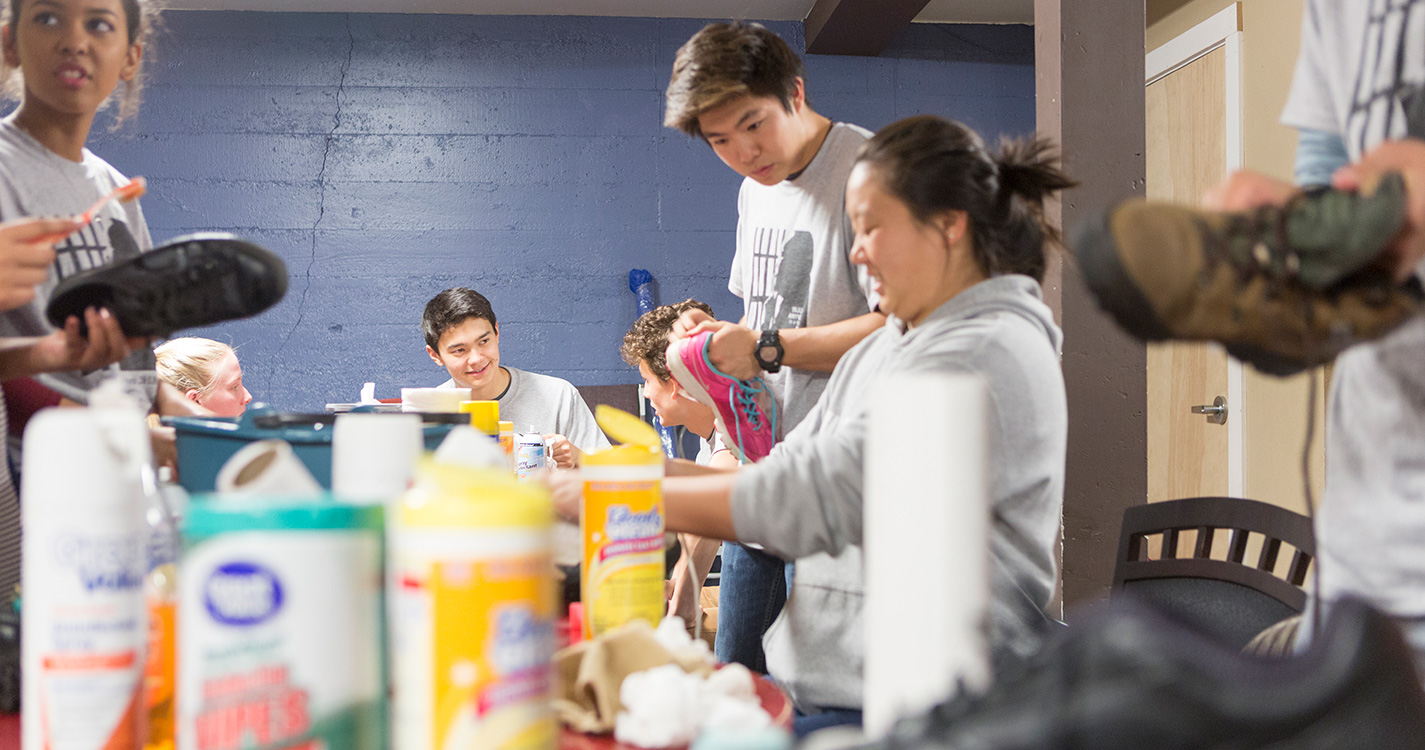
195	280
1128	678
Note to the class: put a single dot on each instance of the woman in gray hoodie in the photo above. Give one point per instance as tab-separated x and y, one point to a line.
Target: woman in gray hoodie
954	238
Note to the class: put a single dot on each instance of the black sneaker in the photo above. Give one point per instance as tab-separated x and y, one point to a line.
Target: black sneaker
1127	678
195	280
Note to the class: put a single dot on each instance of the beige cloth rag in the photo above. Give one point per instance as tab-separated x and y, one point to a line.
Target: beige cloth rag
589	674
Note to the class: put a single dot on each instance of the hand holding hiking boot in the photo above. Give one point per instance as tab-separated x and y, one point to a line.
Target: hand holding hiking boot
1283	288
1407	157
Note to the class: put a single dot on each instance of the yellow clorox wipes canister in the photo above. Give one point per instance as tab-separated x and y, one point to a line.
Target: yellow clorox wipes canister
622	526
475	611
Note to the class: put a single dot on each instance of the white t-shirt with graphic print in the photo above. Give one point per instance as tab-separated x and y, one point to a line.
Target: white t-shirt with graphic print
793	264
1361	75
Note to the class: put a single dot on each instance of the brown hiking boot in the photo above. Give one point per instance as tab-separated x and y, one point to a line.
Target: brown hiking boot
1283	288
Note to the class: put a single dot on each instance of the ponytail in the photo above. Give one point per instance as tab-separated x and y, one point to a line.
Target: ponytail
1028	175
935	165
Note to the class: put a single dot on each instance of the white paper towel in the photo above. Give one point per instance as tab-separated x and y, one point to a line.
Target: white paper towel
267	467
926	543
433	400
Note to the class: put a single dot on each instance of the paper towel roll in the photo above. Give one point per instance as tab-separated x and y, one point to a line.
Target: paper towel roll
926	541
374	455
267	467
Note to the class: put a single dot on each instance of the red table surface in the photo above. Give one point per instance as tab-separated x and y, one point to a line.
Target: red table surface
773	702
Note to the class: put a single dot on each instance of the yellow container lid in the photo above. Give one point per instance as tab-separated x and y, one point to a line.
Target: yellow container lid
447	495
506	426
628	454
484	415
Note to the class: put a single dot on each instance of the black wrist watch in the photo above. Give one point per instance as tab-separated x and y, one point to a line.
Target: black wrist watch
769	351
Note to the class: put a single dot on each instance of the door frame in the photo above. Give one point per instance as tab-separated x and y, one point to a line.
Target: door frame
1222	30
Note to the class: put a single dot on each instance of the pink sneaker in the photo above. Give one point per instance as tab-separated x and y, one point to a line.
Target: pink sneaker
739	418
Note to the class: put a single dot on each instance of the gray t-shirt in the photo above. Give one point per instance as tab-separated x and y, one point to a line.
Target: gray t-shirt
793	269
35	181
804	500
1361	75
545	404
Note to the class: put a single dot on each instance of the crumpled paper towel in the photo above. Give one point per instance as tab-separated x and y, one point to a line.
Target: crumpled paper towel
589	674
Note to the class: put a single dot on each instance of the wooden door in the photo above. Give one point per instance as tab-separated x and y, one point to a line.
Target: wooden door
1187	142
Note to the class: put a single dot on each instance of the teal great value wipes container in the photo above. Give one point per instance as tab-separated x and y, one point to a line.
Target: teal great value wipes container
280	625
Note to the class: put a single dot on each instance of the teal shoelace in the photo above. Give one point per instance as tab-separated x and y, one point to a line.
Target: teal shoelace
742	398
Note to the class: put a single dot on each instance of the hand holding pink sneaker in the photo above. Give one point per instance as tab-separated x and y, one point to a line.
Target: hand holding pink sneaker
739	418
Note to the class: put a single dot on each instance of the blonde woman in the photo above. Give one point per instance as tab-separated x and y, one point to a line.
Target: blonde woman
205	373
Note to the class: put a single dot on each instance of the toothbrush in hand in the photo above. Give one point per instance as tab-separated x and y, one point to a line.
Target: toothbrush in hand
125	193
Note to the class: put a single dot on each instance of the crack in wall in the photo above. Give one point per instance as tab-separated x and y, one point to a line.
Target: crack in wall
321	207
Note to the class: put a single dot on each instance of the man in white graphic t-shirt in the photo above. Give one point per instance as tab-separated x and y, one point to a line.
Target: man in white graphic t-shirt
1358	101
742	90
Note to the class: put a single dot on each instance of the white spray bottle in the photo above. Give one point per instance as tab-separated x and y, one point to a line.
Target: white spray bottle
85	555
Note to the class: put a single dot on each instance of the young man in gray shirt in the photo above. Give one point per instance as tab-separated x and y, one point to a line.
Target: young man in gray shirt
463	337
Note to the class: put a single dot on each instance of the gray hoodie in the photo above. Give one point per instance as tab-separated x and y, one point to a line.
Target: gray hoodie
803	501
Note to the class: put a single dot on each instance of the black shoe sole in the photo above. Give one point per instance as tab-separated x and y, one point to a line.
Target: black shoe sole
195	280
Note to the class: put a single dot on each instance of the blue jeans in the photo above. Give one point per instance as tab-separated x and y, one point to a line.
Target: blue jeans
751	593
804	724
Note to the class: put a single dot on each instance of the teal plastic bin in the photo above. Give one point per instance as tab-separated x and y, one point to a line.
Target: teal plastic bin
206	443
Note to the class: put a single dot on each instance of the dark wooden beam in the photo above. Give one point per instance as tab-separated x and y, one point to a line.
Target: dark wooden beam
857	27
1088	67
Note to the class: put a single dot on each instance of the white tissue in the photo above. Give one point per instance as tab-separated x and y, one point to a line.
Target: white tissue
733	681
672	634
661	707
728	714
666	706
467	446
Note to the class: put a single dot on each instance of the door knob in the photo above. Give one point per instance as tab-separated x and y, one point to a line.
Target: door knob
1216	412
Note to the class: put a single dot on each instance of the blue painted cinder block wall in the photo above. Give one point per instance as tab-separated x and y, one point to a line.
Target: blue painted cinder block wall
387	157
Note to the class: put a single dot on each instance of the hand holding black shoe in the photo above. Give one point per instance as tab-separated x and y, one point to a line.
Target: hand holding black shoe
1126	678
1283	288
196	280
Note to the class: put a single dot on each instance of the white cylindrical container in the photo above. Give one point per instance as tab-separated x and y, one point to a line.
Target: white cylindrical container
279	626
85	556
926	508
475	613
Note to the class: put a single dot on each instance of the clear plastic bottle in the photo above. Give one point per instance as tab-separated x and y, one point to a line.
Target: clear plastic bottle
164	503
